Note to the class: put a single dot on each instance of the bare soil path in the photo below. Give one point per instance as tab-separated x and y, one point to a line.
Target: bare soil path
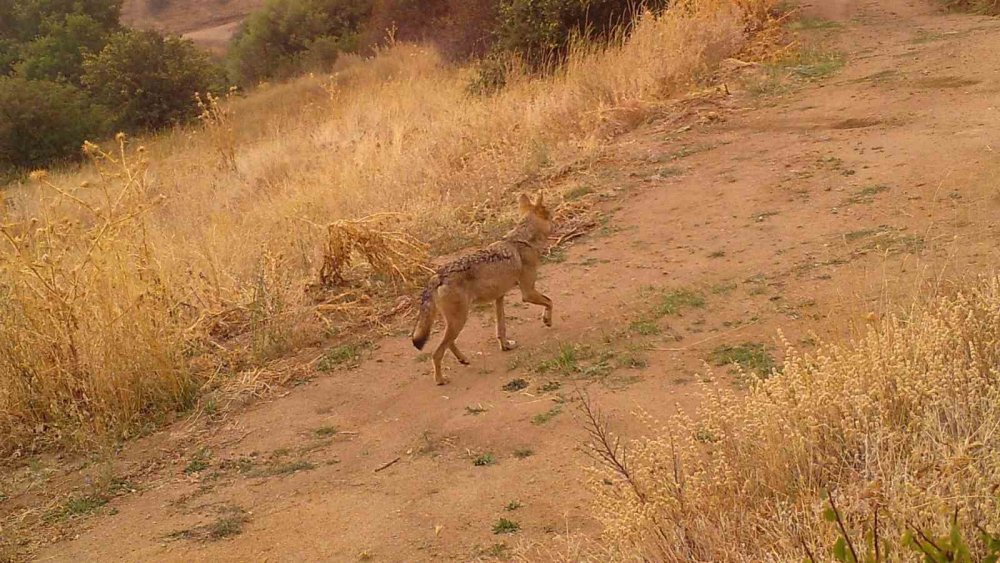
803	210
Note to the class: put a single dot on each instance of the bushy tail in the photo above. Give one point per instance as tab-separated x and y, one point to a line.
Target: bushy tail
425	320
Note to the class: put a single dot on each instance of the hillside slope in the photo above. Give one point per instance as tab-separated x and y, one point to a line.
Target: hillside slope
804	209
209	23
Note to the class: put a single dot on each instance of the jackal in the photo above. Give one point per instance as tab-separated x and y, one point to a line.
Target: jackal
484	276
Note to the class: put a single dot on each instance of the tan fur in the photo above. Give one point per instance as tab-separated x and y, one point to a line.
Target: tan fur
486	276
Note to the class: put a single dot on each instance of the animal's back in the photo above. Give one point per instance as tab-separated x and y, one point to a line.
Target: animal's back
485	275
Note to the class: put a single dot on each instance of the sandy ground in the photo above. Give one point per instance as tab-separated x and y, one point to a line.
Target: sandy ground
803	211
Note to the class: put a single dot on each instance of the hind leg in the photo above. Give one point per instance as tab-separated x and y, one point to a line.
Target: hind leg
455	315
459	355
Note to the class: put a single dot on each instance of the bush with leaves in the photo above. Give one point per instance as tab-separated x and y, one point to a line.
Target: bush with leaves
540	31
148	80
43	121
290	36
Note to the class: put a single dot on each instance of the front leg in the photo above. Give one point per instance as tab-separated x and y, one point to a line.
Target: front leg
505	345
531	295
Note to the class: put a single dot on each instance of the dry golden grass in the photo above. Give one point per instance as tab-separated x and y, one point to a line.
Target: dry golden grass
198	260
904	423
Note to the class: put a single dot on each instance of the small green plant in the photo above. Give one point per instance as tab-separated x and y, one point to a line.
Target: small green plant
644	328
513	505
344	356
549	387
482	460
673	302
545	417
325	431
750	356
505	526
565	361
496	551
229	523
522	453
198	462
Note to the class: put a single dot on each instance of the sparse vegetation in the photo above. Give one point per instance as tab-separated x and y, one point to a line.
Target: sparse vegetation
229	523
877	422
326	431
544	417
986	7
523	453
346	356
673	302
505	526
482	460
749	356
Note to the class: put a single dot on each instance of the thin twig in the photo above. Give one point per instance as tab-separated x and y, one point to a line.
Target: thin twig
387	465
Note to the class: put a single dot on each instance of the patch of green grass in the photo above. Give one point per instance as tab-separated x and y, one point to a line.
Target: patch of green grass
565	361
522	453
325	431
673	302
229	523
84	505
345	356
632	359
515	385
496	551
549	386
805	24
513	505
751	356
866	194
688	150
644	328
812	64
482	460
669	171
198	462
544	417
478	409
505	526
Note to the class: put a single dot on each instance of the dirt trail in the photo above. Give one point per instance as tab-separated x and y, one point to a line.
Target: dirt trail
802	211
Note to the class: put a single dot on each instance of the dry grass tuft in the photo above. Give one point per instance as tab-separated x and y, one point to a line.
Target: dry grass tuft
118	305
902	427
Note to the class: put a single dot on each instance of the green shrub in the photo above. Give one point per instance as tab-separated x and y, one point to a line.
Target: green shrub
42	121
149	80
540	31
290	36
57	54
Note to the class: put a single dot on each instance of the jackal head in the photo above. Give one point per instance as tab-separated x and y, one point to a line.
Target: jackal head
535	217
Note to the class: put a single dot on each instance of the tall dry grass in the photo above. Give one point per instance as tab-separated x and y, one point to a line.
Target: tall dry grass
901	428
221	227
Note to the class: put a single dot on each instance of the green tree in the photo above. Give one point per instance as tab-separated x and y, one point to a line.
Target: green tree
147	80
42	121
58	53
288	36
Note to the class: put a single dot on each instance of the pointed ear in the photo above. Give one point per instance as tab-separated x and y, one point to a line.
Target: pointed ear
538	199
524	203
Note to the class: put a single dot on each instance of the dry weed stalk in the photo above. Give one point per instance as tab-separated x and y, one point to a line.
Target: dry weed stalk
903	423
381	255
